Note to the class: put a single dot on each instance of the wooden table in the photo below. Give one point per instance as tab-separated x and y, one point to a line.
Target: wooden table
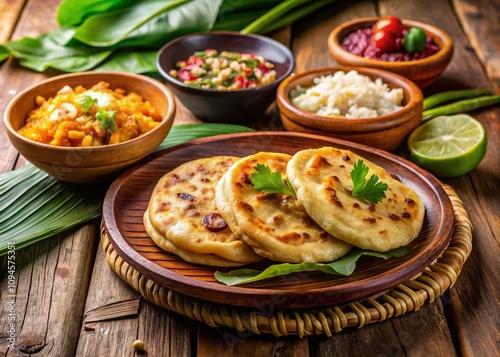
64	282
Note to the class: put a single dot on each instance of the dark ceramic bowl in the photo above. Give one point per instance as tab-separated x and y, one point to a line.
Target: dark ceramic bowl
237	106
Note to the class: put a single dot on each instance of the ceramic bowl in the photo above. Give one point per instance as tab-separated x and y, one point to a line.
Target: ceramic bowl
212	105
89	164
423	71
385	132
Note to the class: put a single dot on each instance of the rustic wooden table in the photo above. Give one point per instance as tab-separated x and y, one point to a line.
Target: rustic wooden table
64	282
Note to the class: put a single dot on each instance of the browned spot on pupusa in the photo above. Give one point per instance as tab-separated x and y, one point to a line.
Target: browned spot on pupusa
214	222
172	180
292	238
278	218
333	196
410	201
267	197
245	178
316	164
185	196
245	205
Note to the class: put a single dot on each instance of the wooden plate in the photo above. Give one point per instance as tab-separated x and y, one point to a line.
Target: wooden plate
128	197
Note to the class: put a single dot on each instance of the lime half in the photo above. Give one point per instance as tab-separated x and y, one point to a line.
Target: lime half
448	146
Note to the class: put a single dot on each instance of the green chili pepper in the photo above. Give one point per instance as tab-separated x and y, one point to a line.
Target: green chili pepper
461	106
415	40
443	97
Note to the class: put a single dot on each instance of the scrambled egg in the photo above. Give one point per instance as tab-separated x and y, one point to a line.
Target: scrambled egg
90	117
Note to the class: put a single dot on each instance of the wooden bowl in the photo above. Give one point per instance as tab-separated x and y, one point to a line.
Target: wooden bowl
89	164
423	71
213	105
385	132
388	139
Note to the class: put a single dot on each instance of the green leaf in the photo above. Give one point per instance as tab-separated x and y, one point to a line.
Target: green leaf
372	191
192	17
36	206
109	28
132	62
106	119
4	53
270	182
49	46
86	102
73	12
68	64
344	266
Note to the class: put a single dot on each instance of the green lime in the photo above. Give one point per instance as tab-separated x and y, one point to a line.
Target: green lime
448	146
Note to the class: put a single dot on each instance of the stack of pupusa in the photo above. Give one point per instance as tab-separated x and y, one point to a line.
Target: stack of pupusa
319	223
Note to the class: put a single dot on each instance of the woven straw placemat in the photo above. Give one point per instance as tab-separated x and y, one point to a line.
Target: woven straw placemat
410	295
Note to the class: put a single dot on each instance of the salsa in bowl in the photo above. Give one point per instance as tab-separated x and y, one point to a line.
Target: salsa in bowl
214	101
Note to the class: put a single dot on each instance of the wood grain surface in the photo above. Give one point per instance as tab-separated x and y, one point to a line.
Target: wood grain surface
62	278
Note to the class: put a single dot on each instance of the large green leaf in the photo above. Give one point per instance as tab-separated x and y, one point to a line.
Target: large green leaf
107	29
135	62
76	63
36	206
73	12
195	16
49	46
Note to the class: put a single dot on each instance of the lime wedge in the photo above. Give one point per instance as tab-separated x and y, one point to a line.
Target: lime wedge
448	146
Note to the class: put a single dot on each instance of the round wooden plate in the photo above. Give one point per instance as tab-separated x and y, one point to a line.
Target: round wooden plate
129	195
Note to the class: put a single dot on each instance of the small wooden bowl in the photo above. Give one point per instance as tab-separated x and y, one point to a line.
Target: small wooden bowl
423	71
385	132
89	164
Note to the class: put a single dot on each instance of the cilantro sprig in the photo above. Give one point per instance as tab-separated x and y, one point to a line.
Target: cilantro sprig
106	119
86	102
372	190
270	182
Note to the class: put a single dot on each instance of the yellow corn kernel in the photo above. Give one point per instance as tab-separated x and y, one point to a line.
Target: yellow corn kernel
75	134
39	100
87	140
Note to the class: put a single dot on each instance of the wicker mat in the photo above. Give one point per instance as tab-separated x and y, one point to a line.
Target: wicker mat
407	296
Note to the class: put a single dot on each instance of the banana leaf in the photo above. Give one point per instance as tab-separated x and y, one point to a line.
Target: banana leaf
107	29
143	62
35	206
74	12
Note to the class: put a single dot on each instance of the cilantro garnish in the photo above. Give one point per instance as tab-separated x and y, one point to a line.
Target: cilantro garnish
270	182
86	102
372	190
106	119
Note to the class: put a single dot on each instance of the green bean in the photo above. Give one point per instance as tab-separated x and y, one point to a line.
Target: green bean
465	105
436	99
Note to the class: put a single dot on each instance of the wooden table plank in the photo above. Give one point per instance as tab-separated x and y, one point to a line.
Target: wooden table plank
164	333
10	11
216	342
52	279
479	19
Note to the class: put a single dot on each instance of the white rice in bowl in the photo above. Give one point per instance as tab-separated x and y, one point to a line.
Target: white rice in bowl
348	95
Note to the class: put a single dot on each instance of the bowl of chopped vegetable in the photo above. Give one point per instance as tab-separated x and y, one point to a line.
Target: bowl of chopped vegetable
225	76
366	105
414	49
87	127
